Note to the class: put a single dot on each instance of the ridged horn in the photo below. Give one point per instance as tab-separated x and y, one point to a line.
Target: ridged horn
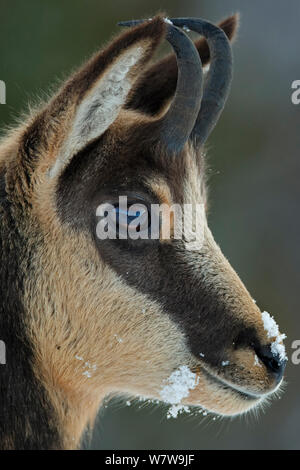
176	125
219	78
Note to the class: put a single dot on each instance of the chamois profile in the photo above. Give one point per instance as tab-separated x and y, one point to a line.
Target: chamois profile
83	318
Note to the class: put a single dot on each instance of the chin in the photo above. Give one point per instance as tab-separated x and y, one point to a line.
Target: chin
227	400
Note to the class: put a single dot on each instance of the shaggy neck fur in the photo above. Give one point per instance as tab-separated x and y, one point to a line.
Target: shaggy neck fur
27	419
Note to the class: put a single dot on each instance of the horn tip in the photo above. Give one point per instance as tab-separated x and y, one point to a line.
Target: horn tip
137	22
127	23
131	22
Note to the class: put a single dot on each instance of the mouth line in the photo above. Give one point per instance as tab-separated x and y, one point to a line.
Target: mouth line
228	386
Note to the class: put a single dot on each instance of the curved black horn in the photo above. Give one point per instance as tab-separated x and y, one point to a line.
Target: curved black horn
176	125
219	78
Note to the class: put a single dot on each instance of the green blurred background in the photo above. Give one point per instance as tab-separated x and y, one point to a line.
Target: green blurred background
254	181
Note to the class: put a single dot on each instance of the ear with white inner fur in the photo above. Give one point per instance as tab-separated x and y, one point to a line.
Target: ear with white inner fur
100	107
91	100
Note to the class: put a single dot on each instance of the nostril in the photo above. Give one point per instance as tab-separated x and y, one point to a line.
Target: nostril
273	362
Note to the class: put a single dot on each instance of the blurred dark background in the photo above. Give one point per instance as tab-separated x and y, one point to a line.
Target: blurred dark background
254	181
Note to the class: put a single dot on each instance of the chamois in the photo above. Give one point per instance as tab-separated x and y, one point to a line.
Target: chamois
83	318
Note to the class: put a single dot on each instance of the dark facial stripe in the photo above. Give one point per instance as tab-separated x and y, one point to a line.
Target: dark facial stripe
162	272
158	270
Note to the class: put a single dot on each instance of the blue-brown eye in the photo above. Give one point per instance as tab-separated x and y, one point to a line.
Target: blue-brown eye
131	220
124	220
124	216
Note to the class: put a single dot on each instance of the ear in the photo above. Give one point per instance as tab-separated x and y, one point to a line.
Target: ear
91	100
157	85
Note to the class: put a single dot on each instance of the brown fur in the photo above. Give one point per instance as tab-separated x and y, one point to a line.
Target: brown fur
100	317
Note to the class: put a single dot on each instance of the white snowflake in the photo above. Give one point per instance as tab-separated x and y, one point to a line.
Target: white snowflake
272	330
177	387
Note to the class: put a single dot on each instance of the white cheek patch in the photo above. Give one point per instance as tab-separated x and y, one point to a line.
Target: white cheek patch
99	108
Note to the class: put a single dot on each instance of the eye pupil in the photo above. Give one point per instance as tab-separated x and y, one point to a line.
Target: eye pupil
125	218
130	217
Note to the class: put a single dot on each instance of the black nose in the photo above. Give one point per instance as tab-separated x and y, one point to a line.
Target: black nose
274	363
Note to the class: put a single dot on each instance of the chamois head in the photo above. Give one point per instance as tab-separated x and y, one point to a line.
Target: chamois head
85	317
